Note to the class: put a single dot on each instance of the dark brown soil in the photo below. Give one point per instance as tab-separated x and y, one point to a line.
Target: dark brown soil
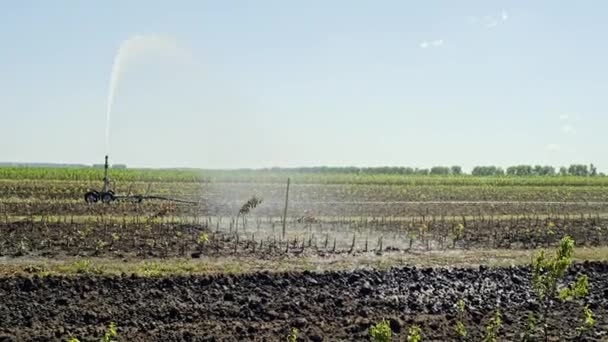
265	307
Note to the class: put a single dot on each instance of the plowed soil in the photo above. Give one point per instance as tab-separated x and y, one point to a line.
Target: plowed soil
332	306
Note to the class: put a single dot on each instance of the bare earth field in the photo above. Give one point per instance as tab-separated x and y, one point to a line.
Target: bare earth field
330	306
352	254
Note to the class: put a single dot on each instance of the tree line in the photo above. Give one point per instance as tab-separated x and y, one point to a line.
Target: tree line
517	170
537	170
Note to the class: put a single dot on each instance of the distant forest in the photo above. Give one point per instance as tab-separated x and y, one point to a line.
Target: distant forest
518	170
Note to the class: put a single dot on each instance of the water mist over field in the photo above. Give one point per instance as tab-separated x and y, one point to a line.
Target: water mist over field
130	51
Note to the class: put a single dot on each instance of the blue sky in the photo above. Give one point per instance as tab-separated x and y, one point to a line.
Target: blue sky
280	83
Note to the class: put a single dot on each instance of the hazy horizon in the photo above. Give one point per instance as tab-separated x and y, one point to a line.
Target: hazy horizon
277	84
120	165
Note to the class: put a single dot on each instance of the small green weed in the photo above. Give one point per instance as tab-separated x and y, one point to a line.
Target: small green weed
111	333
86	266
414	334
381	332
293	336
493	327
460	329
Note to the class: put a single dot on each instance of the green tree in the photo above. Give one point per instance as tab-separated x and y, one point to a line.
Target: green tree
456	170
547	272
440	170
578	170
487	171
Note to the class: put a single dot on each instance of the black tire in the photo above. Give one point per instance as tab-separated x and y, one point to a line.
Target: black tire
91	197
107	197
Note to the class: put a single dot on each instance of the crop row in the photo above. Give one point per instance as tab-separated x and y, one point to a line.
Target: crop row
296	209
165	237
267	176
307	192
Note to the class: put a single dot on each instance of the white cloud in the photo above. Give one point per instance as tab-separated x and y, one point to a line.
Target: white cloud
564	117
432	43
553	147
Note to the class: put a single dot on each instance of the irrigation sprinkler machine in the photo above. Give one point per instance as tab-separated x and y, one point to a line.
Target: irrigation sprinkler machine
107	195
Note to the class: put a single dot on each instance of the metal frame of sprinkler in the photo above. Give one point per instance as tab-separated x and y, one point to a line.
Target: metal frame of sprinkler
107	195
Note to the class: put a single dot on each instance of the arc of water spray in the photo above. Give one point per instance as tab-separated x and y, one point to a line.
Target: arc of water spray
128	50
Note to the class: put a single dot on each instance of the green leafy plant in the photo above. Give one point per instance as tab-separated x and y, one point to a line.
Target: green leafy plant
99	245
111	333
381	332
578	290
151	269
459	232
460	329
588	322
414	334
493	327
547	272
73	339
530	327
293	336
202	240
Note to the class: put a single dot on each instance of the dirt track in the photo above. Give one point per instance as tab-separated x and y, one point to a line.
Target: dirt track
329	306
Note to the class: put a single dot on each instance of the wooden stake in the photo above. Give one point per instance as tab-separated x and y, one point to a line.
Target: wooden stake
285	210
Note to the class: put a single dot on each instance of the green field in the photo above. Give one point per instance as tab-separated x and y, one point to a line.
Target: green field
268	176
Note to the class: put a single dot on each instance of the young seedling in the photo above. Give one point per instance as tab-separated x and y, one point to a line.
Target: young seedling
493	327
588	322
293	336
85	266
578	290
530	327
414	334
202	240
547	272
381	332
111	333
458	234
460	329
